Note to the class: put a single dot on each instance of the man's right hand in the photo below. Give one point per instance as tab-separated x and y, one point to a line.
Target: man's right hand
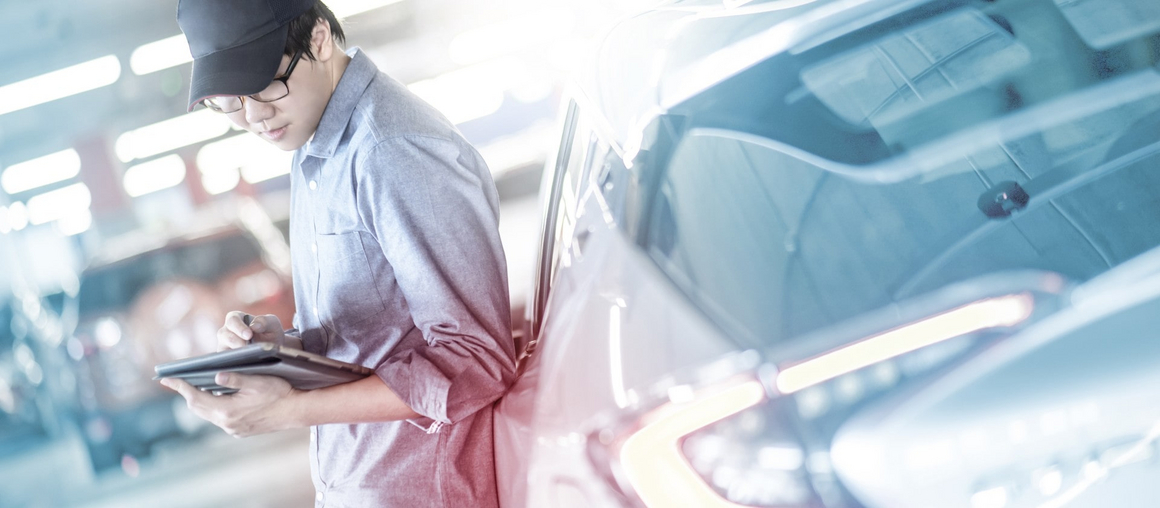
235	333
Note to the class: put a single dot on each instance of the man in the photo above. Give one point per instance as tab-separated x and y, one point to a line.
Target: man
396	257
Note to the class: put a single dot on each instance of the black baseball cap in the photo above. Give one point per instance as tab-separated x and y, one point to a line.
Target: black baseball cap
236	45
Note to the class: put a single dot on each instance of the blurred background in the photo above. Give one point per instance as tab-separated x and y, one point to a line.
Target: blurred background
128	227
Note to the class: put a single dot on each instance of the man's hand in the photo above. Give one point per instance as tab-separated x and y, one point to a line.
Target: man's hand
262	403
235	333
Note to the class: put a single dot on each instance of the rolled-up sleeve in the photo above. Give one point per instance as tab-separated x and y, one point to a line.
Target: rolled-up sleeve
433	209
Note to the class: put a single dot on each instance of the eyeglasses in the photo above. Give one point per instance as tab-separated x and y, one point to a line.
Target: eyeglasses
278	89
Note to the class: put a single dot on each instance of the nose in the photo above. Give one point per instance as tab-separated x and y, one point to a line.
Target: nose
257	112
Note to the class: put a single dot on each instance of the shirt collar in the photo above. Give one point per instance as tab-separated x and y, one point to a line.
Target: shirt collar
358	74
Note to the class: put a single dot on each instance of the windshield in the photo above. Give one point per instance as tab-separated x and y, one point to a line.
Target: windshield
905	157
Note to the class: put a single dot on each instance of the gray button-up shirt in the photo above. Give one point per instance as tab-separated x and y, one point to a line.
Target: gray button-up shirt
398	266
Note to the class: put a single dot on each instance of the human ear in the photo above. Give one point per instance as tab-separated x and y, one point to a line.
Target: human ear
321	40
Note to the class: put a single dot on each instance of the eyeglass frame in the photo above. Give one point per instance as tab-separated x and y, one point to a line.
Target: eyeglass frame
285	79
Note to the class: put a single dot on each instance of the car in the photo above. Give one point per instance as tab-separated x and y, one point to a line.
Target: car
849	253
153	303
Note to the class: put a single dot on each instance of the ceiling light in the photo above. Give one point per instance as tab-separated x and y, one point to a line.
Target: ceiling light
75	223
52	205
17	216
472	92
41	171
158	55
170	135
155	175
59	84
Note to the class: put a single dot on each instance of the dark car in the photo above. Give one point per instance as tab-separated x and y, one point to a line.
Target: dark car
874	253
156	305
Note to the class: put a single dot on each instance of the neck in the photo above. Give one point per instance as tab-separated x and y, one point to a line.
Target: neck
336	68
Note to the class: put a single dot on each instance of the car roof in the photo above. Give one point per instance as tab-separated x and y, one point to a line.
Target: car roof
651	61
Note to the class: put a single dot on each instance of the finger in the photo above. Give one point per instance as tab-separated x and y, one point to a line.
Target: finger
186	390
229	340
235	381
267	328
235	323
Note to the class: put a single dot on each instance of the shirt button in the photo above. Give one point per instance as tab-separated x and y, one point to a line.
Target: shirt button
316	312
313	185
314	247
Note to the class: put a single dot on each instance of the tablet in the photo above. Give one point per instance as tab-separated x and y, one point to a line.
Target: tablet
304	371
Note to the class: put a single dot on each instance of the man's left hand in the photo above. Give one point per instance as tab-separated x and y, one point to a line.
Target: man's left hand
259	406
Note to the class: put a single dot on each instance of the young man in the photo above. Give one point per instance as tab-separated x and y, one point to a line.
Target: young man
396	257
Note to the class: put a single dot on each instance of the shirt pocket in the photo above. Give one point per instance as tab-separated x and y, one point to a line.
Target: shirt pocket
347	287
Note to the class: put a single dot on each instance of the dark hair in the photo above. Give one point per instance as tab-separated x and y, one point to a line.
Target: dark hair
301	28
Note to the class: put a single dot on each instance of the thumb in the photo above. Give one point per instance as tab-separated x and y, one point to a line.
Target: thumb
231	380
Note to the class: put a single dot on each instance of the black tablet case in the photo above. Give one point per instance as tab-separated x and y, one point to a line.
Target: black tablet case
304	371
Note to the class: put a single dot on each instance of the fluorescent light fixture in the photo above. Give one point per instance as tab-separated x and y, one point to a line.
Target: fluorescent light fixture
472	92
59	84
221	162
53	205
170	135
652	459
41	171
75	223
17	216
994	312
155	175
527	32
159	55
220	181
344	8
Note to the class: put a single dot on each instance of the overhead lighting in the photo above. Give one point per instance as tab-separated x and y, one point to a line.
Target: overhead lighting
5	226
75	223
170	135
221	162
155	175
41	171
345	8
471	92
527	32
652	459
53	205
159	55
59	84
17	216
990	313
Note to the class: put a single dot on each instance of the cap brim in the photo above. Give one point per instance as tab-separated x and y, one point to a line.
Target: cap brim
241	70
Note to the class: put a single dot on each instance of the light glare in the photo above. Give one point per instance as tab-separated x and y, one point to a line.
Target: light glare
59	203
170	135
980	315
159	55
59	84
472	92
152	176
41	171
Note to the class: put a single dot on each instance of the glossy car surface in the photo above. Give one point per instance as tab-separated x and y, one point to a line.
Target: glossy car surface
854	253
